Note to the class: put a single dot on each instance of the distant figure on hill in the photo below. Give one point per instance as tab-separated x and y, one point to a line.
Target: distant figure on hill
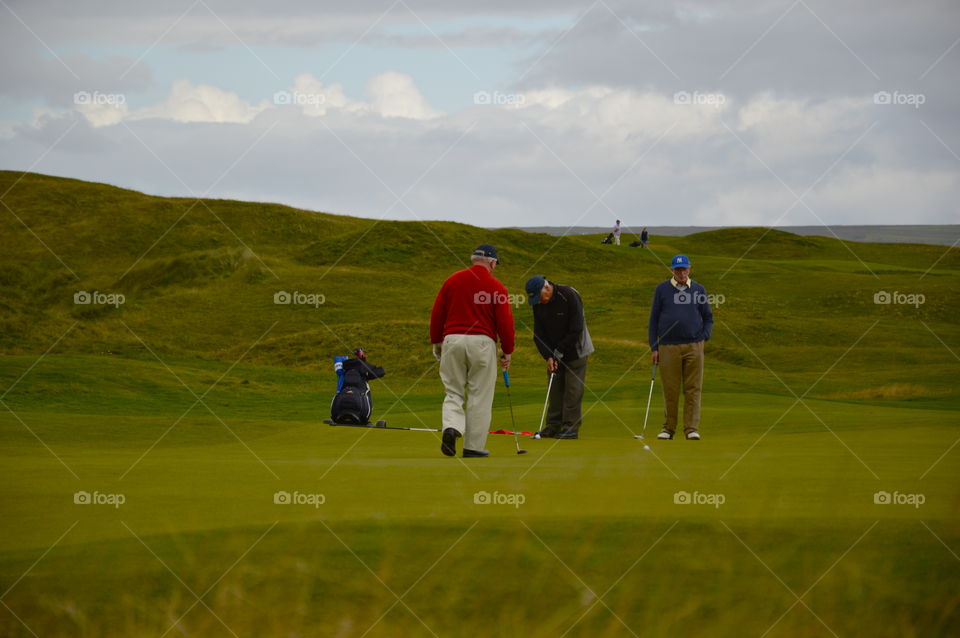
471	310
680	321
616	233
644	237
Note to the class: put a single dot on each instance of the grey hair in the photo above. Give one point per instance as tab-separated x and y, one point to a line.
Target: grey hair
481	259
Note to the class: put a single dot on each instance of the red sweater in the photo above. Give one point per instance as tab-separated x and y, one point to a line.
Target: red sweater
473	302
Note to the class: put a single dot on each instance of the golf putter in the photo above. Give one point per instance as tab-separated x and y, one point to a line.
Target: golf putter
649	396
506	382
545	402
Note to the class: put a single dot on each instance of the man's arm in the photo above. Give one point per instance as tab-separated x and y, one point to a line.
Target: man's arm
570	339
505	328
539	334
706	314
652	335
438	316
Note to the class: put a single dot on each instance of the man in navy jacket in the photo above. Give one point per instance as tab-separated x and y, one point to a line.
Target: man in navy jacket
680	321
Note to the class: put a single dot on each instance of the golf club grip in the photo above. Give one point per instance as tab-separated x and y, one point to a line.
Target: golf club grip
506	378
654	376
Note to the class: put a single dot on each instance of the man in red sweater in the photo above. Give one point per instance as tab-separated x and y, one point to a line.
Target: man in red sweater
472	309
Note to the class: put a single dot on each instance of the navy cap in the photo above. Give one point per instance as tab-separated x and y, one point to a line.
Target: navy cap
486	250
534	286
680	261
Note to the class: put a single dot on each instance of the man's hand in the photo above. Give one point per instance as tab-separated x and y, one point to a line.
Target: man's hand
656	357
437	347
505	361
552	364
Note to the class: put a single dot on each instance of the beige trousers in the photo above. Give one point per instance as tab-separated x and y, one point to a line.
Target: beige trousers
681	366
468	369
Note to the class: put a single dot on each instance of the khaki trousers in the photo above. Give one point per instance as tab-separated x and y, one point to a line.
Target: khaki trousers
468	369
681	366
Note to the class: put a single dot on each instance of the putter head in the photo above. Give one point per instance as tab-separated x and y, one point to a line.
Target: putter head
521	451
638	436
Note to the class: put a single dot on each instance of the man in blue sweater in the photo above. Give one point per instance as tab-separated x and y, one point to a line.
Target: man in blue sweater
680	321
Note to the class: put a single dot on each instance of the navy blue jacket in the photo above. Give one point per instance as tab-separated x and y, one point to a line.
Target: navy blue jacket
679	316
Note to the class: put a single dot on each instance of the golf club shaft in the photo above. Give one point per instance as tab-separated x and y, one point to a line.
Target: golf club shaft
384	427
649	396
545	402
513	422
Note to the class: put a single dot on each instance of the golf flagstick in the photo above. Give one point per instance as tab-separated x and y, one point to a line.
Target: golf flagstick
649	396
545	402
506	382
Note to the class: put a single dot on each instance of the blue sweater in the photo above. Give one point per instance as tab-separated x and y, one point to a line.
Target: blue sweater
679	316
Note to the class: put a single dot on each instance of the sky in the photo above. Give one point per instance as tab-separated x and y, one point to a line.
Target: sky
559	113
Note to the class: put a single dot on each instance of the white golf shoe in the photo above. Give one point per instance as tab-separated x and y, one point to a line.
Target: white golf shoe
693	436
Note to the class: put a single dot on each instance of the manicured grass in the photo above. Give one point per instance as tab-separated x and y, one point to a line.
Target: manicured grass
815	399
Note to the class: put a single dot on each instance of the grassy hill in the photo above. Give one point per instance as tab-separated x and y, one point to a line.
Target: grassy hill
103	397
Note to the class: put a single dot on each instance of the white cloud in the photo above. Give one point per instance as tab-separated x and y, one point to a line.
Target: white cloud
519	166
623	114
316	100
395	95
202	103
788	129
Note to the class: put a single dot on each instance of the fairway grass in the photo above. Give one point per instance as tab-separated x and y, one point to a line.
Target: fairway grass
598	545
199	402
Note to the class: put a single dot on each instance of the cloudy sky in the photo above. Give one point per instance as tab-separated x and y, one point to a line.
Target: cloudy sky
795	112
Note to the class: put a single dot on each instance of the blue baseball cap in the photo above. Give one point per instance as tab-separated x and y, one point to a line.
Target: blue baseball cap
534	286
680	261
486	250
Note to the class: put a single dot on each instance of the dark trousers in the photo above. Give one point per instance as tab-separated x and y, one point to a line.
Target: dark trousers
566	394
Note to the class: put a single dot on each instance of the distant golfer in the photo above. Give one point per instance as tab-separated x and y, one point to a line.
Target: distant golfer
616	233
472	309
680	321
644	237
560	332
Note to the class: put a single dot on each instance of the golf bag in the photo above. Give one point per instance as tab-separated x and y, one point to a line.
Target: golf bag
636	243
608	240
353	404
